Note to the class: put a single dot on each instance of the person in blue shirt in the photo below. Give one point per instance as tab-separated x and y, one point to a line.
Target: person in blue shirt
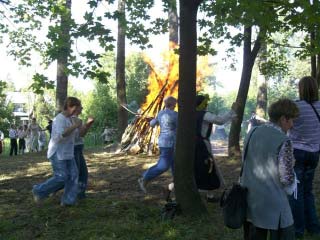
167	119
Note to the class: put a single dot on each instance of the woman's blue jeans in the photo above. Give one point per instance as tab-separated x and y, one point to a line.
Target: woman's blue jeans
82	168
303	208
164	163
65	175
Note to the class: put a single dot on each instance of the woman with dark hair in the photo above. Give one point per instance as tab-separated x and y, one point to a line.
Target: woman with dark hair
305	137
269	176
207	173
61	155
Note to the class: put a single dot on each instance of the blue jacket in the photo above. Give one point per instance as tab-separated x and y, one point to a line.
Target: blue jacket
168	121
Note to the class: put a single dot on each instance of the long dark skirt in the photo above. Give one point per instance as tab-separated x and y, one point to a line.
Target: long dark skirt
205	180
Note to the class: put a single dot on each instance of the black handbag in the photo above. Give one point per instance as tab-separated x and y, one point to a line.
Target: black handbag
234	206
234	201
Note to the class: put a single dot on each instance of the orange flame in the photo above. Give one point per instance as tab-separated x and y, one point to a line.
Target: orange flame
163	79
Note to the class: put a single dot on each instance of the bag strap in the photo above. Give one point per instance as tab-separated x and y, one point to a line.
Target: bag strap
315	111
246	150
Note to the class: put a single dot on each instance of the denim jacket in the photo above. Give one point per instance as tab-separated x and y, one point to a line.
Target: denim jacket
167	120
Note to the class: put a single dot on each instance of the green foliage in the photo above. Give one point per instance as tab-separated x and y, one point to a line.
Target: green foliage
137	72
6	109
102	106
44	108
101	103
217	104
41	82
286	87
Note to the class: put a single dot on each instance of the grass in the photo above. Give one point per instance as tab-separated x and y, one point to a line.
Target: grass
114	209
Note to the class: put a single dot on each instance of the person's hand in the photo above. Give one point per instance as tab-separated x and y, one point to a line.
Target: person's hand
90	120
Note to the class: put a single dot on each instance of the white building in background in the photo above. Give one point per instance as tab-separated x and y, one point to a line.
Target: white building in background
23	103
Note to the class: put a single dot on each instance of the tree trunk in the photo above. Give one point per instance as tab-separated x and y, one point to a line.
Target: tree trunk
186	190
313	56
262	96
249	57
62	60
173	22
120	71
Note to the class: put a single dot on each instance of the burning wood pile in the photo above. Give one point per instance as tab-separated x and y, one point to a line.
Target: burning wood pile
139	136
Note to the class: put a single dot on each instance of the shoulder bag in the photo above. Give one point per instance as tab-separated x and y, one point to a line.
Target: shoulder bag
234	200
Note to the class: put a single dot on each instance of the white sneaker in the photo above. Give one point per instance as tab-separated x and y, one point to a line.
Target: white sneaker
142	185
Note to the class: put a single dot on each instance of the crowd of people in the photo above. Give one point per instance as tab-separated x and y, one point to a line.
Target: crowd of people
25	138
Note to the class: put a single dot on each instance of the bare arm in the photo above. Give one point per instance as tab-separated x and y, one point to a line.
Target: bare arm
84	129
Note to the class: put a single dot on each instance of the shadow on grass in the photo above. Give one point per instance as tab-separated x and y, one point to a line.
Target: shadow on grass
115	207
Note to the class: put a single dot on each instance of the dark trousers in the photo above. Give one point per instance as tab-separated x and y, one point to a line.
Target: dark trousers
13	146
22	145
82	168
254	233
303	208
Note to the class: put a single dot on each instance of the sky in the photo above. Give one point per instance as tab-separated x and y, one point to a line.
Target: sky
21	76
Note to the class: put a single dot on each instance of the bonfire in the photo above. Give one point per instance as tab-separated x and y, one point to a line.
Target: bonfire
163	81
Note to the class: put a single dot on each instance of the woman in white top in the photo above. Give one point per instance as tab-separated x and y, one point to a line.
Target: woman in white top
34	129
61	155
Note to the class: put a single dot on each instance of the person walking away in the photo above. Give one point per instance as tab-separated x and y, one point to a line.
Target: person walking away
167	119
22	142
61	154
1	142
305	136
78	152
42	139
49	127
207	173
269	176
13	134
34	129
107	135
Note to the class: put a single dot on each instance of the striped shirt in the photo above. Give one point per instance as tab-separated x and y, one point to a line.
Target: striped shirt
305	134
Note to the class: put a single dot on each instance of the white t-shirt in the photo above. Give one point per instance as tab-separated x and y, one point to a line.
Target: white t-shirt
63	146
